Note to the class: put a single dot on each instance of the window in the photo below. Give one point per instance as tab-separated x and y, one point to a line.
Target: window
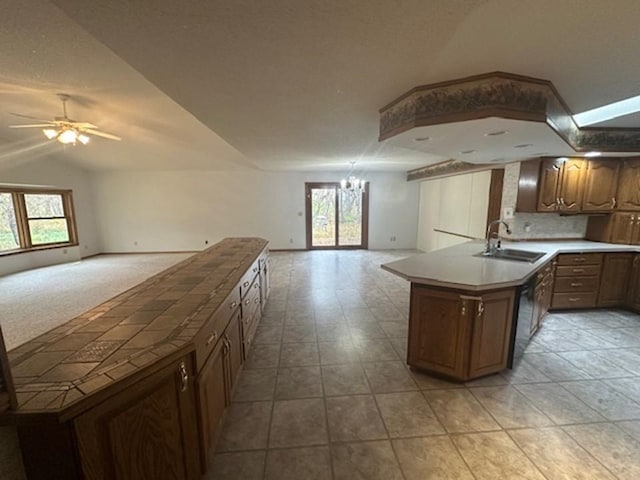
35	219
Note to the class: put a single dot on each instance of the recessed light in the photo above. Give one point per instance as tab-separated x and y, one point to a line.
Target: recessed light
496	133
467	152
593	154
523	145
421	139
497	160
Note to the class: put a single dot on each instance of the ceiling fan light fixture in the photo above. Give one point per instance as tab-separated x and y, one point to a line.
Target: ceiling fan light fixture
50	133
83	139
68	136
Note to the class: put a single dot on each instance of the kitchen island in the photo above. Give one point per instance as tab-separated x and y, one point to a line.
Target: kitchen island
467	311
136	387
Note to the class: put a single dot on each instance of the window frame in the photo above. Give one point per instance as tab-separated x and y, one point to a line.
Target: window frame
22	218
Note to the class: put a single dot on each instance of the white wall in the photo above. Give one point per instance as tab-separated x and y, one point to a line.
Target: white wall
51	172
179	210
456	204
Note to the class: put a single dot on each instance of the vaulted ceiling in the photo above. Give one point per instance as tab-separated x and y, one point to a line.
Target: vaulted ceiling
287	85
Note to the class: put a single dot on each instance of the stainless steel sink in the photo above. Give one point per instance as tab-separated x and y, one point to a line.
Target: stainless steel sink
512	254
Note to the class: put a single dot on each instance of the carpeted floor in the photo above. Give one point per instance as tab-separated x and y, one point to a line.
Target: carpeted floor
36	301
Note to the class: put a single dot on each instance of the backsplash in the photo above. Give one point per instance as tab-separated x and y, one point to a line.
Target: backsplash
542	225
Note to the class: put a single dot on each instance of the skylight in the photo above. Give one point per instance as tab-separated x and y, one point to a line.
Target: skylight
608	112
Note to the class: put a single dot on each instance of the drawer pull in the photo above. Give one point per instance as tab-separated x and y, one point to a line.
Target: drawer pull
578	270
257	300
233	305
576	284
212	338
573	299
245	284
184	377
579	259
246	302
255	285
255	269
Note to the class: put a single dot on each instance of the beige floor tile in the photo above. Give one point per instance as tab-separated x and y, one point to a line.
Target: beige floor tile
509	407
558	456
309	463
354	418
298	382
558	404
341	351
604	399
407	414
524	372
555	367
388	377
627	386
494	456
233	466
428	382
297	423
299	355
348	379
613	447
632	427
365	461
268	334
596	363
246	427
430	458
374	349
294	333
263	356
459	411
255	385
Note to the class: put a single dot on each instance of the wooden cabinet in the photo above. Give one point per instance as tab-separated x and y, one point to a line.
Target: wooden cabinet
600	185
549	185
571	185
559	186
542	295
629	186
614	280
633	292
620	227
459	335
148	431
7	391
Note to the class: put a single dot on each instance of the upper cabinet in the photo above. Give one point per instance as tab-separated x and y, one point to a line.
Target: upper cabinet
576	185
629	186
600	185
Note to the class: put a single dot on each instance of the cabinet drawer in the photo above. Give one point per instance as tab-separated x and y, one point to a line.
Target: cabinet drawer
251	300
580	259
576	284
212	330
574	300
248	280
574	271
249	327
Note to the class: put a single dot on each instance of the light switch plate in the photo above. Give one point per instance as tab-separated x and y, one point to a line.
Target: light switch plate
507	213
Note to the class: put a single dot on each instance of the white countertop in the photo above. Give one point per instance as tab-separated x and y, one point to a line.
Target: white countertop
456	267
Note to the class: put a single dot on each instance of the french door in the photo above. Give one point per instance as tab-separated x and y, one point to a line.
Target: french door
336	218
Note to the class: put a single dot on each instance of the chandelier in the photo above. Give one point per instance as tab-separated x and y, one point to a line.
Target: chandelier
353	184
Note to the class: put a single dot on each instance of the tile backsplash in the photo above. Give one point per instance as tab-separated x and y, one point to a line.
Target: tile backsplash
541	225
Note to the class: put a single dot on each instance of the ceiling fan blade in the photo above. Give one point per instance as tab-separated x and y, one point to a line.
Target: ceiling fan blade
82	125
30	117
33	125
101	134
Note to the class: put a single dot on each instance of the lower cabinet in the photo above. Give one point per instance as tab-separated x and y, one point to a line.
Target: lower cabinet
460	335
633	297
146	432
614	279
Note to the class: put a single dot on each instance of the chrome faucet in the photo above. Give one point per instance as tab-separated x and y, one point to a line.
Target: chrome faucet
487	246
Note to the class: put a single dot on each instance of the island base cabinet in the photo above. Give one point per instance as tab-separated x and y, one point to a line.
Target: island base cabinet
633	297
148	432
460	335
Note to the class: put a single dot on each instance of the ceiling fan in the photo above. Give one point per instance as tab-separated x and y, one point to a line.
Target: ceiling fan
65	130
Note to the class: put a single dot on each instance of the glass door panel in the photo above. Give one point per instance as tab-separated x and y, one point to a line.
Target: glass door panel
349	218
323	217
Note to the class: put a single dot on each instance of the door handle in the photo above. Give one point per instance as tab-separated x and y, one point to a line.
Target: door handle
184	377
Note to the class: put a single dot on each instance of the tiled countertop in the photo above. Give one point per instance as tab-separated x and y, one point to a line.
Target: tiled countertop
456	267
129	332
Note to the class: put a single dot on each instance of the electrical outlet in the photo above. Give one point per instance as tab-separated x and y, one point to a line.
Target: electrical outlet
527	227
507	213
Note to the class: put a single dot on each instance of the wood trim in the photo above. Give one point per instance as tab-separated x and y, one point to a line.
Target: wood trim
449	168
495	198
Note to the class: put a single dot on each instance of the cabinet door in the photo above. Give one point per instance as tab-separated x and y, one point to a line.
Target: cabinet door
234	357
600	185
549	185
633	294
614	280
491	333
439	329
570	191
536	317
629	186
146	432
212	399
622	227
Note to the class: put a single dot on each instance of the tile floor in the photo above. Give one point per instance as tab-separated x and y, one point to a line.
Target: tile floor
326	394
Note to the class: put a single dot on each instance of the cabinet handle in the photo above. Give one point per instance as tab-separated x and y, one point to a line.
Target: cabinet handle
255	285
184	377
613	202
576	284
555	167
245	284
233	305
579	259
578	270
480	308
463	308
246	302
573	299
255	269
257	300
212	338
557	201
